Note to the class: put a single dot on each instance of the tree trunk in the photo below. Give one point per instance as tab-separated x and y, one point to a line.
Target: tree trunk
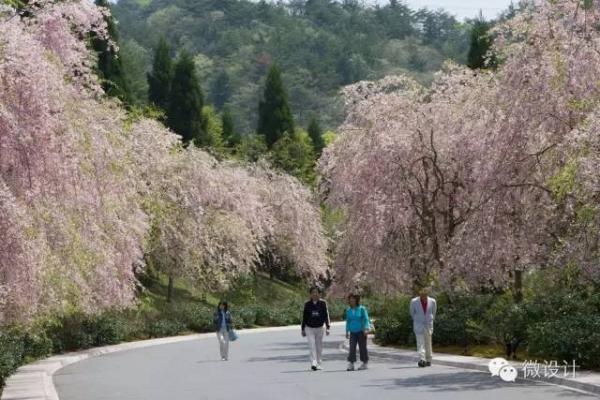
170	289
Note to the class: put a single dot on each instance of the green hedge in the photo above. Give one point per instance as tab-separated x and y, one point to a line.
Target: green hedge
567	338
12	353
562	326
566	326
393	324
78	331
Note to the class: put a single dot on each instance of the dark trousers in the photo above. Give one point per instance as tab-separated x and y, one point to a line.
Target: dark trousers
361	339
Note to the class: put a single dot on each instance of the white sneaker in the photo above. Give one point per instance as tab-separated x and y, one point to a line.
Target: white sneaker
319	367
350	367
362	367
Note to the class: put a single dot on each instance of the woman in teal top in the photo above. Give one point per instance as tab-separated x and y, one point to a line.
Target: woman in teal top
358	326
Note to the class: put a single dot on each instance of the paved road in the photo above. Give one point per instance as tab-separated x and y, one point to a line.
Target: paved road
274	366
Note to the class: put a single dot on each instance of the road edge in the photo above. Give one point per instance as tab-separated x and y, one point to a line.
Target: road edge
481	364
34	381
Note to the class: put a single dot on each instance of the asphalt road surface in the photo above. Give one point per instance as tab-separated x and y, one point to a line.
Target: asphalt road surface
274	366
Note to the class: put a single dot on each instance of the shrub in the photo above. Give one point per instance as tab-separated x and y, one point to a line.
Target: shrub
265	315
394	325
337	310
290	313
394	330
455	317
12	352
108	328
567	338
36	344
196	318
70	332
244	317
504	322
165	327
566	327
377	305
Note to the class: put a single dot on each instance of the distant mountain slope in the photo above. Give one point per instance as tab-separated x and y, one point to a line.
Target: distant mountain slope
320	45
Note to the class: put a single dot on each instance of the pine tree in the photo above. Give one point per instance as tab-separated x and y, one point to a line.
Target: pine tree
110	66
159	80
481	42
184	112
316	135
220	90
228	124
274	115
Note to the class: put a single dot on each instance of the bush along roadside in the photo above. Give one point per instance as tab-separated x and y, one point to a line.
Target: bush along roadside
79	331
561	327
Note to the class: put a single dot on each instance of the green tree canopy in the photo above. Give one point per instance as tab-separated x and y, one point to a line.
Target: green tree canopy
321	45
159	80
294	154
316	135
184	114
481	42
220	90
274	114
229	133
110	66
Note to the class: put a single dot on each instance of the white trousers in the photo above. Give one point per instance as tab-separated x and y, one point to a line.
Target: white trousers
315	343
424	347
223	336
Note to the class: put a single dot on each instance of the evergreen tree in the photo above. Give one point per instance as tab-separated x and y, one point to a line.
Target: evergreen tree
481	42
228	124
316	135
159	80
184	111
274	115
220	90
110	66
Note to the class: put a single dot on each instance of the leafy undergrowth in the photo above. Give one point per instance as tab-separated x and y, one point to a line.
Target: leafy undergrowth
255	300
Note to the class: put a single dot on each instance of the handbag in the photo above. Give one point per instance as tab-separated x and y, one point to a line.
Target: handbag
371	327
232	335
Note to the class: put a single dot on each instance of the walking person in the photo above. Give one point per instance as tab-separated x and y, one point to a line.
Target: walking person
422	312
358	326
223	326
315	325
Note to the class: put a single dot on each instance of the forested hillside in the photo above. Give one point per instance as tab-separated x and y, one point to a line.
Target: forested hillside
319	45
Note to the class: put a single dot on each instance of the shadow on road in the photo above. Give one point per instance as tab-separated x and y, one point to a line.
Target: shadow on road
460	381
299	345
298	358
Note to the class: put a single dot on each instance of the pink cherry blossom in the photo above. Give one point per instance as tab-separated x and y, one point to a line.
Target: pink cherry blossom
89	194
453	184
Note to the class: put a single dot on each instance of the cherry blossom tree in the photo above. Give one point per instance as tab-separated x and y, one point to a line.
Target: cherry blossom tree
455	184
88	193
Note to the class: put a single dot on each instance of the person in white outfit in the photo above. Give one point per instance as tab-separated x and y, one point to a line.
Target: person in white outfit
422	312
223	324
315	325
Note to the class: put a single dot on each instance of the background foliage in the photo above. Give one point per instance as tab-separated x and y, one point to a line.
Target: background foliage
320	45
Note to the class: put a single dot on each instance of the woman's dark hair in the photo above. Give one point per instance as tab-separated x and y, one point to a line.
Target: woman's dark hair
318	289
225	306
356	298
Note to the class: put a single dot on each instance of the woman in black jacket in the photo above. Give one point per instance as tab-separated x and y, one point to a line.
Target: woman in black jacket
315	324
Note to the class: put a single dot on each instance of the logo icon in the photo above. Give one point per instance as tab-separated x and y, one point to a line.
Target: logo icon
508	373
496	364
